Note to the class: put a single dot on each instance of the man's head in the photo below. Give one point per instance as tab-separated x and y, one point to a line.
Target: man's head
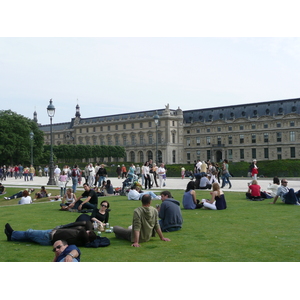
165	195
284	182
146	200
59	246
86	186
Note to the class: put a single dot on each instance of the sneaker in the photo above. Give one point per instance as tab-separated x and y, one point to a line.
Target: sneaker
157	198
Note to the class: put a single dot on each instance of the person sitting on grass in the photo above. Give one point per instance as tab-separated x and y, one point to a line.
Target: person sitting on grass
217	201
69	198
26	199
189	200
2	189
144	225
41	194
19	194
287	195
254	191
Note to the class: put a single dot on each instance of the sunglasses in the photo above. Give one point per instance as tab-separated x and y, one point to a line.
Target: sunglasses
57	247
284	182
103	205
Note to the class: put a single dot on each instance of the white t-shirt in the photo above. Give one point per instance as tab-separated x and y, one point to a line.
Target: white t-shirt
134	195
25	200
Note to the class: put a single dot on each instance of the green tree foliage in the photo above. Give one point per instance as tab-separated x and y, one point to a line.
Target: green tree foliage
15	142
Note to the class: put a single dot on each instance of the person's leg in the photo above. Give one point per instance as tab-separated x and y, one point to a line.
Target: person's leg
41	237
209	205
290	197
122	233
88	205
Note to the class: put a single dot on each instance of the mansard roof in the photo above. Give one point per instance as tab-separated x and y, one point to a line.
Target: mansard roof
248	111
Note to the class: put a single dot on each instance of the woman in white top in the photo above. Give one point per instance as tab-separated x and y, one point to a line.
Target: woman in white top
273	187
69	198
26	199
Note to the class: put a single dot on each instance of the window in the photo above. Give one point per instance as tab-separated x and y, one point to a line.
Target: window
132	125
278	135
188	131
292	124
230	139
241	139
253	151
117	141
173	138
108	128
266	152
279	153
242	155
174	155
293	152
219	139
109	142
198	154
229	128
149	124
198	141
198	130
266	137
124	126
94	129
208	140
208	130
230	154
278	125
141	139
253	126
241	127
150	139
132	140
188	142
219	129
292	136
188	156
253	139
117	127
266	125
124	141
208	154
141	125
87	130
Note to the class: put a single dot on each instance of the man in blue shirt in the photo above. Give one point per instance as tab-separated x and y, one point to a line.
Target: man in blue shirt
65	253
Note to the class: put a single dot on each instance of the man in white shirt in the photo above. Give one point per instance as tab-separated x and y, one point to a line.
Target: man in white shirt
57	172
134	194
91	177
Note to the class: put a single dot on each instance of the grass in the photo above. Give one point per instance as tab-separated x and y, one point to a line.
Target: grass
246	231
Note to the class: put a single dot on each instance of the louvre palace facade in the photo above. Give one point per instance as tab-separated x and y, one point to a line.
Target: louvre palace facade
264	131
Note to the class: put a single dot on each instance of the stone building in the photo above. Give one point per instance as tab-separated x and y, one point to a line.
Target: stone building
264	131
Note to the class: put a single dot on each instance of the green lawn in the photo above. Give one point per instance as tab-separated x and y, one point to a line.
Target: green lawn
245	232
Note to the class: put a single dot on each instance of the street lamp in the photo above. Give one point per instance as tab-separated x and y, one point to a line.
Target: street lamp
31	138
156	119
51	112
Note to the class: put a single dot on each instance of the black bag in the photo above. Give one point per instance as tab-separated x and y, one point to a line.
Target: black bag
98	242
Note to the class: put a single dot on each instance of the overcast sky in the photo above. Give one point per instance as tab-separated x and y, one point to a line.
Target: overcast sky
111	75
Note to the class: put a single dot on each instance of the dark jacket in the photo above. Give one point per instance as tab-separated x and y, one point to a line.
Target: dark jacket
170	214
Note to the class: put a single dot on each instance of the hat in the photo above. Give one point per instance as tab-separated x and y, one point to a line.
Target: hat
254	160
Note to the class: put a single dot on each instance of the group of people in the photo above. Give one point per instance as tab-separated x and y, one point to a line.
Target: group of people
18	172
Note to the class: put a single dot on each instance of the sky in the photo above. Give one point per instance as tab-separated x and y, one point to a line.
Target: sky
126	71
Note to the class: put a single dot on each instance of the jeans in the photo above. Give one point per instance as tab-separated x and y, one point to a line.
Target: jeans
87	205
148	193
41	237
101	178
225	177
74	183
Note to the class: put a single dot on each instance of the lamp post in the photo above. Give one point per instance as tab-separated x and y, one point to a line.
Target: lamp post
51	112
31	138
156	119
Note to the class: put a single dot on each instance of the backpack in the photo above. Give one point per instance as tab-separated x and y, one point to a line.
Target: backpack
74	173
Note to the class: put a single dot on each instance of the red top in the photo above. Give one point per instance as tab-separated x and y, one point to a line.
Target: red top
255	190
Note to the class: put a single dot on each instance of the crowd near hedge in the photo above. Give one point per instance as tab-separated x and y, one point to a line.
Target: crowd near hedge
271	168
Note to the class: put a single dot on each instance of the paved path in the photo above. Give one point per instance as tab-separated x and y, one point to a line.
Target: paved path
238	184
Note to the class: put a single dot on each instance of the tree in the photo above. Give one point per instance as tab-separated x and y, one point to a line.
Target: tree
15	142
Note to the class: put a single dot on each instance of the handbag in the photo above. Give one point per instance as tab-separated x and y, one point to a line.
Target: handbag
224	172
